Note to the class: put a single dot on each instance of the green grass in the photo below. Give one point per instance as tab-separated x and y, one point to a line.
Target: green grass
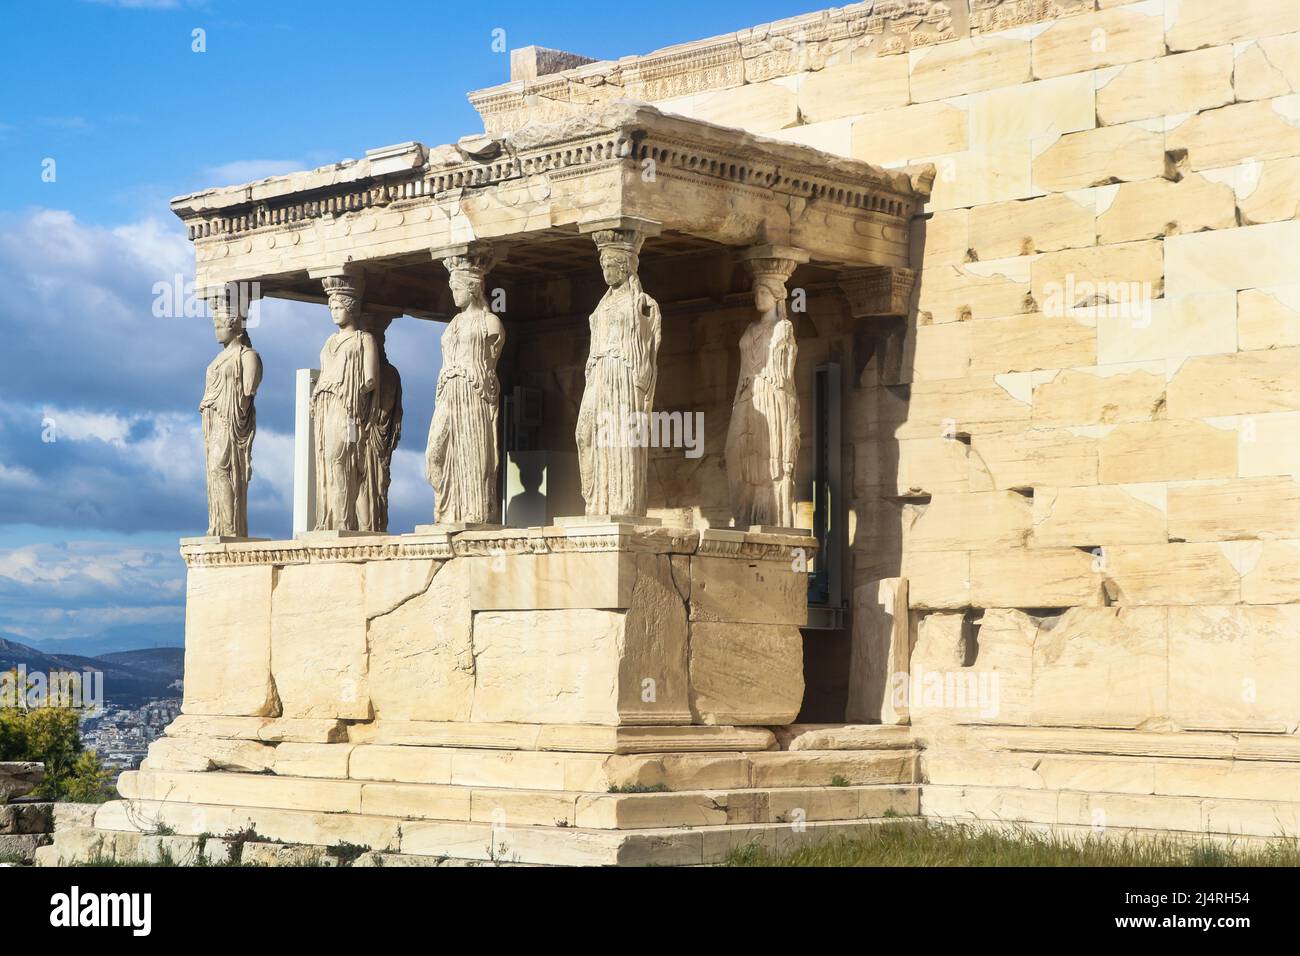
913	843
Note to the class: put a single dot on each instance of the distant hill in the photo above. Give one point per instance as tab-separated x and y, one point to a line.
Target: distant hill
130	677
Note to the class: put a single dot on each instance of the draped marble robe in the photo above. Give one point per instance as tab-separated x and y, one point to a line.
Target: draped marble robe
340	409
763	434
613	419
380	435
462	456
229	424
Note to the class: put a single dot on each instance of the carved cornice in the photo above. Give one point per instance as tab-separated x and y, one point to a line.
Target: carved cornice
225	222
508	541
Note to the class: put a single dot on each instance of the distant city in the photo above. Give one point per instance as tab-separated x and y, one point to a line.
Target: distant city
121	735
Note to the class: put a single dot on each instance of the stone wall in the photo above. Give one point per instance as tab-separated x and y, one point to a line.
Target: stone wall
1085	460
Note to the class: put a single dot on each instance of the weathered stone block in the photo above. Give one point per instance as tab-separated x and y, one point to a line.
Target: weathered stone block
852	89
318	641
1190	24
1101	395
1265	129
1166	86
1161	207
1096	157
228	642
1169	450
880	649
967	66
1125	34
745	673
1234	509
1044	224
1091	515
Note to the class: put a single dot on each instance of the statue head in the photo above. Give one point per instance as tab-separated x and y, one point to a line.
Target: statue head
467	273
344	294
770	294
228	316
619	254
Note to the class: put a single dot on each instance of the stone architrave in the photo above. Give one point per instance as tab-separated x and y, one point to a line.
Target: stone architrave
613	433
380	433
341	403
462	456
229	416
763	434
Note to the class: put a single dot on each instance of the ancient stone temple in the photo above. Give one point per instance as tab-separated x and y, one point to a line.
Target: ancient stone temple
905	400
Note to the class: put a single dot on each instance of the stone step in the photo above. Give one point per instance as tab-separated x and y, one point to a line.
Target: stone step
471	841
1106	811
1135	743
578	738
532	770
1097	773
522	807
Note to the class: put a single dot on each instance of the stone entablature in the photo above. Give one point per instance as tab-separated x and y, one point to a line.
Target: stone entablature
755	55
625	160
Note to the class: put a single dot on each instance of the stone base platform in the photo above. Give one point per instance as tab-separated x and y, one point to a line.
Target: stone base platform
488	794
434	794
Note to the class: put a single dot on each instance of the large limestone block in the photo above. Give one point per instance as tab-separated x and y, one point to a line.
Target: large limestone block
1267	67
1252	257
745	673
755	106
421	661
210	753
587	665
268	730
896	136
1270	445
1166	86
228	642
996	173
881	645
757	592
1171	573
1240	383
1024	343
1265	129
1161	207
1100	396
1233	668
965	522
1027	458
400	764
988	683
959	293
1272	573
1030	110
523	582
1170	450
1035	577
1140	328
1096	157
851	89
318	641
1102	667
967	66
937	579
952	406
328	761
1124	34
929	465
1268	192
1190	24
1101	514
805	768
1268	318
1235	509
1045	224
1066	282
415	801
830	136
243	790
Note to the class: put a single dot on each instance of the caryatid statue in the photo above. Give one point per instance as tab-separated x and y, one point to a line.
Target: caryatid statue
462	455
341	405
229	416
622	366
763	434
381	432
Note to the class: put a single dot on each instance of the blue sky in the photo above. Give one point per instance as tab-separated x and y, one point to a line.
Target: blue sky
112	92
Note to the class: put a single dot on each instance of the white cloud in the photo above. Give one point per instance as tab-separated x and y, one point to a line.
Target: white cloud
248	170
